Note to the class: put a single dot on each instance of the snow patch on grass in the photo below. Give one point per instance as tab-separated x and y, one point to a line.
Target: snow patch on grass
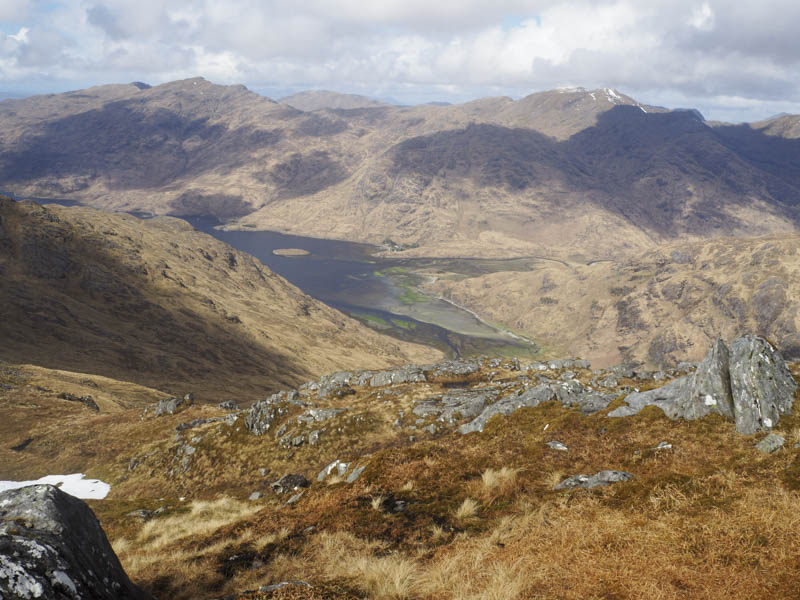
74	485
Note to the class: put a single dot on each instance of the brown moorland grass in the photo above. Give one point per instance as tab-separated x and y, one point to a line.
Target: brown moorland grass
710	518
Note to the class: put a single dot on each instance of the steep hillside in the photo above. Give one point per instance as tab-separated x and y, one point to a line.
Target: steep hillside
546	175
661	307
155	302
321	99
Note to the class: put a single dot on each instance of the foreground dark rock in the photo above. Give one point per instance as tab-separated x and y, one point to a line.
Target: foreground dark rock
749	384
52	547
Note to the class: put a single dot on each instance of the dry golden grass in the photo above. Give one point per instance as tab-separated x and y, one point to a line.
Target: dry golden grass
467	509
496	484
408	486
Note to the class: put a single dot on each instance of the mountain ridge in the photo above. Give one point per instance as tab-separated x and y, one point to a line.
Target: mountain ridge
192	147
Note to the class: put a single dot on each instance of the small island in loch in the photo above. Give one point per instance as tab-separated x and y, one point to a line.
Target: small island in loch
290	252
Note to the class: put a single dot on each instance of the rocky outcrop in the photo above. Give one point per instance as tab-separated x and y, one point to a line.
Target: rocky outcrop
262	414
52	547
508	405
762	387
748	384
170	406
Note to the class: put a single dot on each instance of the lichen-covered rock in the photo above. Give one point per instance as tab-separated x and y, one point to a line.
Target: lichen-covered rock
457	404
52	547
263	413
749	384
506	406
454	368
711	385
169	406
588	482
409	374
772	443
318	415
670	398
762	386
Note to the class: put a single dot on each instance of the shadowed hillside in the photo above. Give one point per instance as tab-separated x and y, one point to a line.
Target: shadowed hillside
155	302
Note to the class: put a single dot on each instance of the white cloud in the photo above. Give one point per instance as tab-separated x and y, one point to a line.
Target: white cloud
703	51
702	18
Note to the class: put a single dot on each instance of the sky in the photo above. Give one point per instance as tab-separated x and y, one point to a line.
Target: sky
734	60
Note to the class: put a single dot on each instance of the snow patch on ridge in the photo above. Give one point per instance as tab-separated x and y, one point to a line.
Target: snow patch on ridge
74	485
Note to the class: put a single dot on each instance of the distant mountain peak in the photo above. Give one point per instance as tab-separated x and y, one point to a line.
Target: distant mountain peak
311	100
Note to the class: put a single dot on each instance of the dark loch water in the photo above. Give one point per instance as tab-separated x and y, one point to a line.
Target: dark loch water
380	292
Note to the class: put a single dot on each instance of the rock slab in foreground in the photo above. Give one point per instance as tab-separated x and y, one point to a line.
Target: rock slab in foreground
748	383
52	547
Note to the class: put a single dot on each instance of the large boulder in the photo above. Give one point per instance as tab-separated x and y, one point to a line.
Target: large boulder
711	385
52	547
748	384
763	388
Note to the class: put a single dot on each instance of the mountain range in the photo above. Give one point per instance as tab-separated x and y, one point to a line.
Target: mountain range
554	171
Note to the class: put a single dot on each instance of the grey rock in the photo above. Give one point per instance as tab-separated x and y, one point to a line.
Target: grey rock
256	496
762	386
298	440
290	483
663	446
711	385
409	374
772	443
141	513
749	384
169	406
457	404
506	406
454	368
318	415
572	393
610	382
600	479
87	401
357	472
295	498
197	422
263	413
228	405
263	471
52	546
329	384
556	445
670	398
430	429
337	466
313	437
